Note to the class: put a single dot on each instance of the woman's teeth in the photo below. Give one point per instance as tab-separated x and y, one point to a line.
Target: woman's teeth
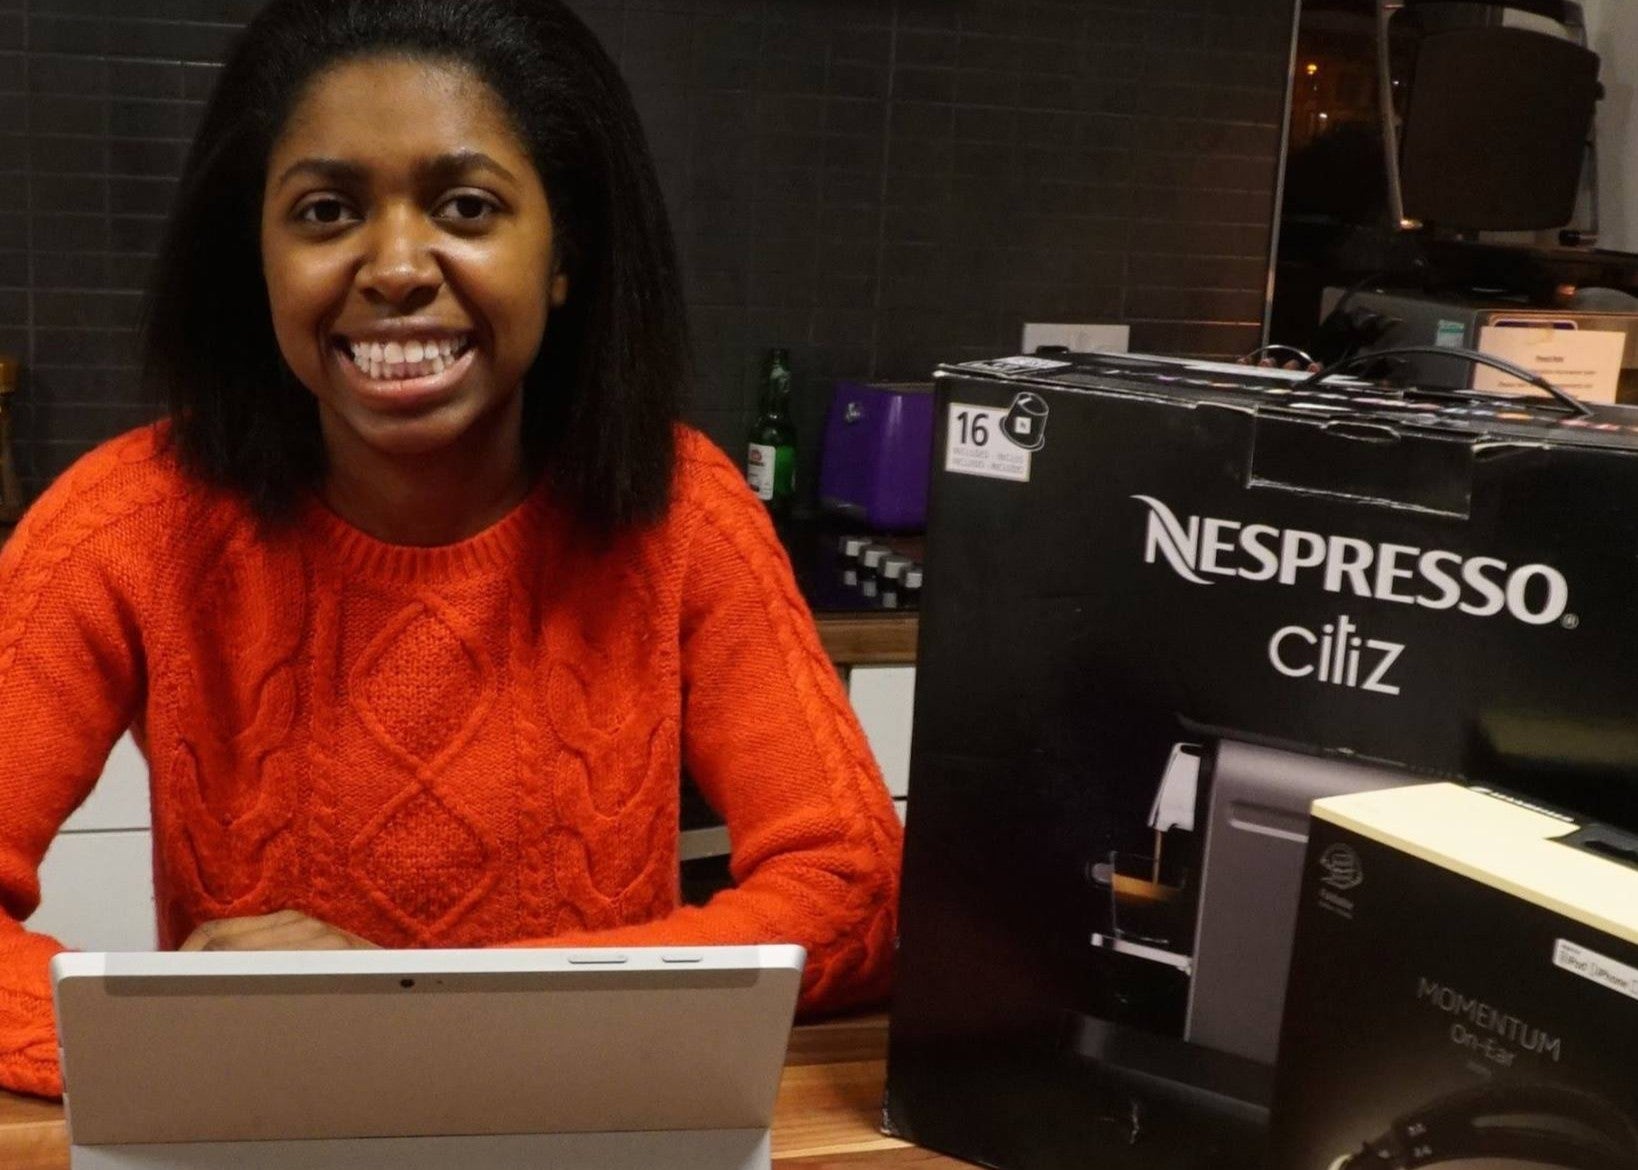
397	361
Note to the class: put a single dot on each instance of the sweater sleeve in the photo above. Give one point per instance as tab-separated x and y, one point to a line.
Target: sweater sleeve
770	739
69	687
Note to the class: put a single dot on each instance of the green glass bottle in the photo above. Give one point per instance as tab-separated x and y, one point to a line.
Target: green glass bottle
770	463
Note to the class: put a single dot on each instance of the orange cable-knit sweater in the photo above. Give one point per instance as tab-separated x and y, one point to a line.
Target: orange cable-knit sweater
470	745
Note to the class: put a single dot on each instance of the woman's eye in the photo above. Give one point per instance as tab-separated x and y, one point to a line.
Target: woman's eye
327	212
466	208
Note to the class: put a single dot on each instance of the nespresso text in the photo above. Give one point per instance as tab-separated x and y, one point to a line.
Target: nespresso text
1205	547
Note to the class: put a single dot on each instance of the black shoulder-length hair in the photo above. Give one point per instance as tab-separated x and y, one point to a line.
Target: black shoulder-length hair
602	398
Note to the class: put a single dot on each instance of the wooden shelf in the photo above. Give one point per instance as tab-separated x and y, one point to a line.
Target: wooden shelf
869	639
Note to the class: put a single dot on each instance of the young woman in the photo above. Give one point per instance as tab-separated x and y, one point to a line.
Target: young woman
422	600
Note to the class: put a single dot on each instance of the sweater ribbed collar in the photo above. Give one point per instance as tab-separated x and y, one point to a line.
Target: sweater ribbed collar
496	549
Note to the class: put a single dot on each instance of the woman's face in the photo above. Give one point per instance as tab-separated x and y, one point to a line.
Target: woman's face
408	250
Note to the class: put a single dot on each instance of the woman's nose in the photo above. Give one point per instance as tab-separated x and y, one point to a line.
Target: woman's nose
400	269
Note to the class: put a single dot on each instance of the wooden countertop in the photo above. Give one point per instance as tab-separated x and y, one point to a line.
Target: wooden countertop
827	1114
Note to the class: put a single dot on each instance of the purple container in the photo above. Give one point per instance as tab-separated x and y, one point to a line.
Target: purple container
878	454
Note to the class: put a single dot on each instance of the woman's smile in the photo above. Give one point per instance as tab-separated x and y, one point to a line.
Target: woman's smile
395	359
403	386
408	369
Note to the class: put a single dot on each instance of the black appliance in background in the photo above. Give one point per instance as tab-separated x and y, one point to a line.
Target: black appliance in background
1495	120
1417	126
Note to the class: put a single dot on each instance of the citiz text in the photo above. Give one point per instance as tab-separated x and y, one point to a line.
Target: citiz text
1337	655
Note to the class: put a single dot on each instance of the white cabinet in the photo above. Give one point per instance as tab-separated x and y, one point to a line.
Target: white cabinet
120	799
96	883
97	891
884	698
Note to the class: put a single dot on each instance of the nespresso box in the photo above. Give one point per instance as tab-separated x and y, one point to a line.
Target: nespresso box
1464	990
1171	606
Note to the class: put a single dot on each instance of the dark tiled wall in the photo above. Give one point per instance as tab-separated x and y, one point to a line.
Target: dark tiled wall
877	184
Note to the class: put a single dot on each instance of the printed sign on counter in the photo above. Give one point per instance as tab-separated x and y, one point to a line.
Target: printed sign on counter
1583	362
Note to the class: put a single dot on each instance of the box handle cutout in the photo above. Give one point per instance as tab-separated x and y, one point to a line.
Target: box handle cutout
1612	844
1362	431
1364	462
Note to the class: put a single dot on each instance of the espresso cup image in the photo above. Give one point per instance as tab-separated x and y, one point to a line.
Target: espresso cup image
1026	422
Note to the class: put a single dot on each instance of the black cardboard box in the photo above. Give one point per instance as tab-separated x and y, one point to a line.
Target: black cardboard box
1171	605
1464	990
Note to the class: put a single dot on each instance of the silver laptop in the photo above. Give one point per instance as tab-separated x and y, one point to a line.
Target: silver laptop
365	1060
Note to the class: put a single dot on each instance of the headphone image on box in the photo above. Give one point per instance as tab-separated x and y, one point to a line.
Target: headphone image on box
1529	1124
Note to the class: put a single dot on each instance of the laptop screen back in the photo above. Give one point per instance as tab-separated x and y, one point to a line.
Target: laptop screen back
233	1047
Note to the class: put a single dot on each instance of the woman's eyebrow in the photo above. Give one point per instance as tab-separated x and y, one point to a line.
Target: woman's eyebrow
442	169
332	170
461	162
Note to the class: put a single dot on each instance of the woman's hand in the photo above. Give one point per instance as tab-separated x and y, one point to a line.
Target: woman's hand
288	930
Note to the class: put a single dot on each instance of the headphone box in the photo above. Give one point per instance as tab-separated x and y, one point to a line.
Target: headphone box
1173	604
1464	989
